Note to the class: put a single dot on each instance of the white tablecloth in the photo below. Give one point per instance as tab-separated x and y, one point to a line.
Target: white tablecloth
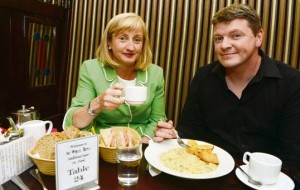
14	159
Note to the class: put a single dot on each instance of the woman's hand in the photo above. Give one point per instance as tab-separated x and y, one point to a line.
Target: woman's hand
110	99
163	131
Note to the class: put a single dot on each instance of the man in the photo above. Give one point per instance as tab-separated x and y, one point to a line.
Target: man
244	101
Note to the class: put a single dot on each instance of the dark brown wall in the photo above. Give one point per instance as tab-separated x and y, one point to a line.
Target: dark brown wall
15	88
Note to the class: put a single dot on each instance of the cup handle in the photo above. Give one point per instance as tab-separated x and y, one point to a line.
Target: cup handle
50	126
246	157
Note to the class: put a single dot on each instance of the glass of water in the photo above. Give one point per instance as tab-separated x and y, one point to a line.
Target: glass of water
129	154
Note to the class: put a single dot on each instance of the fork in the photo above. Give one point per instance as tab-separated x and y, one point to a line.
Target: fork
179	140
250	179
35	173
19	182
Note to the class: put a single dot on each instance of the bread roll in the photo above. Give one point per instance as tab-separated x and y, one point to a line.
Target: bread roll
45	146
84	134
71	132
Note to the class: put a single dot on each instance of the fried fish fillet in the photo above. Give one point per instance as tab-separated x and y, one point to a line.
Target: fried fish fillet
203	152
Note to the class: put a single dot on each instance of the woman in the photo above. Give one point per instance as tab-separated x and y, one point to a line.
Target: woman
123	58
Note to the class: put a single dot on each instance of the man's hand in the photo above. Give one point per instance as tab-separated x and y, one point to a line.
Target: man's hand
163	131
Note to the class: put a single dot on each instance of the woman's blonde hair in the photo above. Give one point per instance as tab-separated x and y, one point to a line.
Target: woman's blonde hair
119	23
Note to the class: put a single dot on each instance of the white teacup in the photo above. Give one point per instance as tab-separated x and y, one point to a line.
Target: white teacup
263	167
36	128
135	95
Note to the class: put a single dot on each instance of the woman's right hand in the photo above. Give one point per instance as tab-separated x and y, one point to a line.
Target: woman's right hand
110	99
163	131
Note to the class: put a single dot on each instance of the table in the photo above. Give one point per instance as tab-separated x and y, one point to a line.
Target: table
108	180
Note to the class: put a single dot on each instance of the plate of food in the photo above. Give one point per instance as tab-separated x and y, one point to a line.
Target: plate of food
201	161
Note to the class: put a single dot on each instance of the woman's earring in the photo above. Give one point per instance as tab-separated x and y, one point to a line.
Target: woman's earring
109	47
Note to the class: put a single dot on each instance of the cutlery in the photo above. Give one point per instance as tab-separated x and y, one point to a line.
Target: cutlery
35	173
179	140
250	179
4	142
11	136
19	182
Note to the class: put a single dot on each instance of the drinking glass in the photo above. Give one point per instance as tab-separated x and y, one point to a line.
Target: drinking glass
129	154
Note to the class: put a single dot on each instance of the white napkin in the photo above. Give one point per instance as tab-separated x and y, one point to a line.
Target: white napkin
152	170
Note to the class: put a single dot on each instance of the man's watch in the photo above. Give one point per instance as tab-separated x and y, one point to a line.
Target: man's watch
91	110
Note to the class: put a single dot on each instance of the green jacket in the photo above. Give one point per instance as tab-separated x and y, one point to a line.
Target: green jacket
94	79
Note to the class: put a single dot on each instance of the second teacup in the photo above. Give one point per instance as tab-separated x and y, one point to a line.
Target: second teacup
263	167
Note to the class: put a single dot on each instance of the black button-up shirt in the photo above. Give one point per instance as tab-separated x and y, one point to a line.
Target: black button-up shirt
265	119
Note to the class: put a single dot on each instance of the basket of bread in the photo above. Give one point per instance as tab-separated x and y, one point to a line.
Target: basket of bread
43	152
108	138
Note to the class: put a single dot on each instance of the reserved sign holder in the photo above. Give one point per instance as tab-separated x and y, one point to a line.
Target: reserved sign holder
77	163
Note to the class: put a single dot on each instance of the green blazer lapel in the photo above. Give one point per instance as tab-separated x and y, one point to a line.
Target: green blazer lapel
110	74
142	77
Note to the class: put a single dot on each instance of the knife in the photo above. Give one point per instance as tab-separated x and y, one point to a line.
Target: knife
35	173
19	182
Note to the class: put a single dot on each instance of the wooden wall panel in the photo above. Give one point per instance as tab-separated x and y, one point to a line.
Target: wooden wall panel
181	36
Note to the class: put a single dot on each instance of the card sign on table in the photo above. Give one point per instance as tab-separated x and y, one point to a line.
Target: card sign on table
77	163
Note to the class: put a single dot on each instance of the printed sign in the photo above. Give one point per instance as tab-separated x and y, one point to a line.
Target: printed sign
77	163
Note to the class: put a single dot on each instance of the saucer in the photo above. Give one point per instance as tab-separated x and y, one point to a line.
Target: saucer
284	181
135	103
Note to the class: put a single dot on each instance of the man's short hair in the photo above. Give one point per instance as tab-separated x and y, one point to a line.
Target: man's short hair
239	11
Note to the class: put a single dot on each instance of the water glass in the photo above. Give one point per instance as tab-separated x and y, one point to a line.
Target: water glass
129	154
